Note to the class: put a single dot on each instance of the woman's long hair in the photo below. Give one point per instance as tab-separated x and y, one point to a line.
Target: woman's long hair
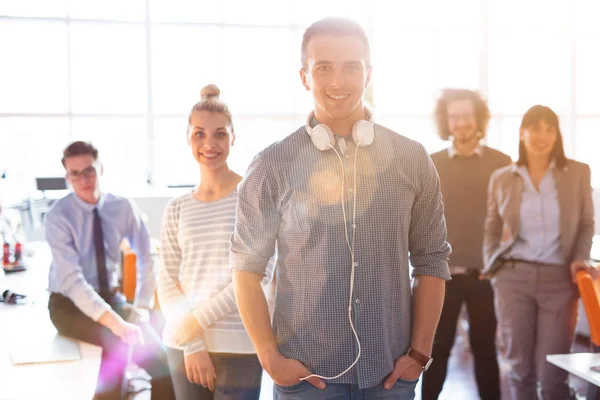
532	117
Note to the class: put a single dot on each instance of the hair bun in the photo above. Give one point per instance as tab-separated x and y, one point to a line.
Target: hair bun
209	91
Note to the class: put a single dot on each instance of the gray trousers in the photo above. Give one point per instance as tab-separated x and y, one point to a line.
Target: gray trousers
536	308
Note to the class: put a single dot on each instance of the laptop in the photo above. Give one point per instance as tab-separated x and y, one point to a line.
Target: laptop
55	349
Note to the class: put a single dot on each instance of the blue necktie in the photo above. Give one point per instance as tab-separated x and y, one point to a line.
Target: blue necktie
101	258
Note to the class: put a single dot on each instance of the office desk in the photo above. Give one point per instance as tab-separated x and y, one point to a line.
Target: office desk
578	364
22	323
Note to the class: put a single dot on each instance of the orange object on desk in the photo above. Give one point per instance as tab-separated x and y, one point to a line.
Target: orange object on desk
129	279
129	271
589	290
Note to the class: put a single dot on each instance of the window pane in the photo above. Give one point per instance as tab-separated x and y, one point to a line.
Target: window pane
528	68
588	79
568	128
174	162
457	59
455	14
420	129
108	68
185	11
587	12
116	10
184	59
33	8
503	135
587	145
257	12
403	71
255	134
308	11
123	150
530	15
31	147
33	70
261	71
427	14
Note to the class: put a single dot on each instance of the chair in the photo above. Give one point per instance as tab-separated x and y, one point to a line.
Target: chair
589	290
128	288
129	274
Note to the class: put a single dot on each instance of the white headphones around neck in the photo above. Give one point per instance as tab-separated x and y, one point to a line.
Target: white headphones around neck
363	132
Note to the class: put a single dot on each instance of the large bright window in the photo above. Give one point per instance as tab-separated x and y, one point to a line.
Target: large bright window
34	67
124	74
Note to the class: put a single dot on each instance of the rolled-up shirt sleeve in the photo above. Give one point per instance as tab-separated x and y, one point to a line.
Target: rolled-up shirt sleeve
429	249
68	270
257	220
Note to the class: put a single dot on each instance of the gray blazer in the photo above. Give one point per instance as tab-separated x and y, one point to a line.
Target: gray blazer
502	222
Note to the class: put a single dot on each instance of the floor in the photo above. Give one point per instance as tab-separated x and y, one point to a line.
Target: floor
460	383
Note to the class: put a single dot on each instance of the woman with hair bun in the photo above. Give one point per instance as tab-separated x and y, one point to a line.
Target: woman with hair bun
210	354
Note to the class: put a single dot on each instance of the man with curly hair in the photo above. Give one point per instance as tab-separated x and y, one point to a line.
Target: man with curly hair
464	169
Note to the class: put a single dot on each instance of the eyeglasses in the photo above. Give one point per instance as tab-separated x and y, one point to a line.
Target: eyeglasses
459	116
88	173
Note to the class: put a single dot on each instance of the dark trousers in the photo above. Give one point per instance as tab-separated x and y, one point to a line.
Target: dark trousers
151	356
479	298
238	377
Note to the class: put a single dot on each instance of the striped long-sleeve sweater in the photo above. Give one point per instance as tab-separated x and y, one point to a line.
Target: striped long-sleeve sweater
194	274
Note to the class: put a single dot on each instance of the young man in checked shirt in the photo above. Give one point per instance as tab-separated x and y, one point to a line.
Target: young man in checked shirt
345	210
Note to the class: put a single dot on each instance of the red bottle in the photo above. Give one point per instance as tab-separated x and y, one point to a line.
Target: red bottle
18	253
6	257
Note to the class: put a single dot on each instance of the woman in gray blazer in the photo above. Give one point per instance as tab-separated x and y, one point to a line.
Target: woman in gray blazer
538	232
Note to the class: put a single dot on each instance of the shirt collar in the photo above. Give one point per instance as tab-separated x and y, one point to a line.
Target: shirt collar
311	121
522	169
87	206
452	152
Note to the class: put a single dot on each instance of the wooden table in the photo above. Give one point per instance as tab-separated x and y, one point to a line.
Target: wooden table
578	364
29	323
